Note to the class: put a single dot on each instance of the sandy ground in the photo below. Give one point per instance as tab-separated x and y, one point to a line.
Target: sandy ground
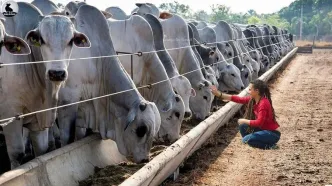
302	98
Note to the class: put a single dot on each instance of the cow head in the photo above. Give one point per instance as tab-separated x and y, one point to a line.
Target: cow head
231	77
56	36
200	105
72	7
172	112
13	45
211	75
146	8
183	87
245	75
141	126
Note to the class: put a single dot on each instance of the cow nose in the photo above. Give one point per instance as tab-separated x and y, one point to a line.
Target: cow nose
187	114
144	161
57	75
242	87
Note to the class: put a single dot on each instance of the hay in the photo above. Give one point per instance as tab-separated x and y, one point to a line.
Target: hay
156	150
111	175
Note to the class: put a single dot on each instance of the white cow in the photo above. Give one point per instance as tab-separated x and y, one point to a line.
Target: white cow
135	35
210	58
180	83
127	118
47	7
230	76
177	36
51	40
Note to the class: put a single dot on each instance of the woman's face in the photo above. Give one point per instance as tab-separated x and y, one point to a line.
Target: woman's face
252	91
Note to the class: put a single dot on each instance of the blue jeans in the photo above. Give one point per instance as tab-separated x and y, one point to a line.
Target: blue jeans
258	138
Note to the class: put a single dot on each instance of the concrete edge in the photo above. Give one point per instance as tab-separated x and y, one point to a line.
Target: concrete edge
67	165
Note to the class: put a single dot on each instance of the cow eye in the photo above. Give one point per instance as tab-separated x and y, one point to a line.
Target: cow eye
233	75
175	91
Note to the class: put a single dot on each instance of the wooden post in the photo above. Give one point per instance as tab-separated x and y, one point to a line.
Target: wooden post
313	42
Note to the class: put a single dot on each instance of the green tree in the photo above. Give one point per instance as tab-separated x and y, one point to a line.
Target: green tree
219	13
177	8
239	18
252	12
61	6
254	20
201	15
315	14
275	20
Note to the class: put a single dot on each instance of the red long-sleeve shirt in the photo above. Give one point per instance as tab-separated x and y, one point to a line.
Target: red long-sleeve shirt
262	110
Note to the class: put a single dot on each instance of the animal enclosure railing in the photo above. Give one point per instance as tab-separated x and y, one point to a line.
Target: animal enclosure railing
19	116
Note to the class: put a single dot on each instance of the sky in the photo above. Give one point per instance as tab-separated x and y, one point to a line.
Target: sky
260	6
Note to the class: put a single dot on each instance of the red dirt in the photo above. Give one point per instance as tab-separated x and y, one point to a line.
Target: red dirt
302	98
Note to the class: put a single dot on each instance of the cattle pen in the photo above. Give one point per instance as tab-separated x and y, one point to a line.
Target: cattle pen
77	161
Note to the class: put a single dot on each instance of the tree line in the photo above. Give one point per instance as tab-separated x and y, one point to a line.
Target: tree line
317	16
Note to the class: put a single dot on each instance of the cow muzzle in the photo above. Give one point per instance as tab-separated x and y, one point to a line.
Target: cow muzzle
57	75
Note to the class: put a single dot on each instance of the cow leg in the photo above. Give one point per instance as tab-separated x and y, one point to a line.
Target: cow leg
66	119
28	147
56	134
39	141
14	140
51	139
4	159
80	132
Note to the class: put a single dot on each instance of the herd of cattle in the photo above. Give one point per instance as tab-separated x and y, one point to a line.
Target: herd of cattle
54	57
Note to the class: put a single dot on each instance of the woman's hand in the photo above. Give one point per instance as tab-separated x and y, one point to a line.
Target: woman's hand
215	91
243	121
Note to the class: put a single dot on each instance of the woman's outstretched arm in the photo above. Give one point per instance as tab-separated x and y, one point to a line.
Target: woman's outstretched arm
228	97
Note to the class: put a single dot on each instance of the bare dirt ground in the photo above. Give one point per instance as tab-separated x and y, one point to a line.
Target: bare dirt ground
302	98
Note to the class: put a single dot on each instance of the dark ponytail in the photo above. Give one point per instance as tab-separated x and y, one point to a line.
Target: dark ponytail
263	90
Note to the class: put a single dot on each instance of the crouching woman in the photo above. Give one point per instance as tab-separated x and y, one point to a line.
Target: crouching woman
259	128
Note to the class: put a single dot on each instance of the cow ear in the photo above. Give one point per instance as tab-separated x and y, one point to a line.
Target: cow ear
16	46
81	40
107	14
192	92
33	38
165	15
